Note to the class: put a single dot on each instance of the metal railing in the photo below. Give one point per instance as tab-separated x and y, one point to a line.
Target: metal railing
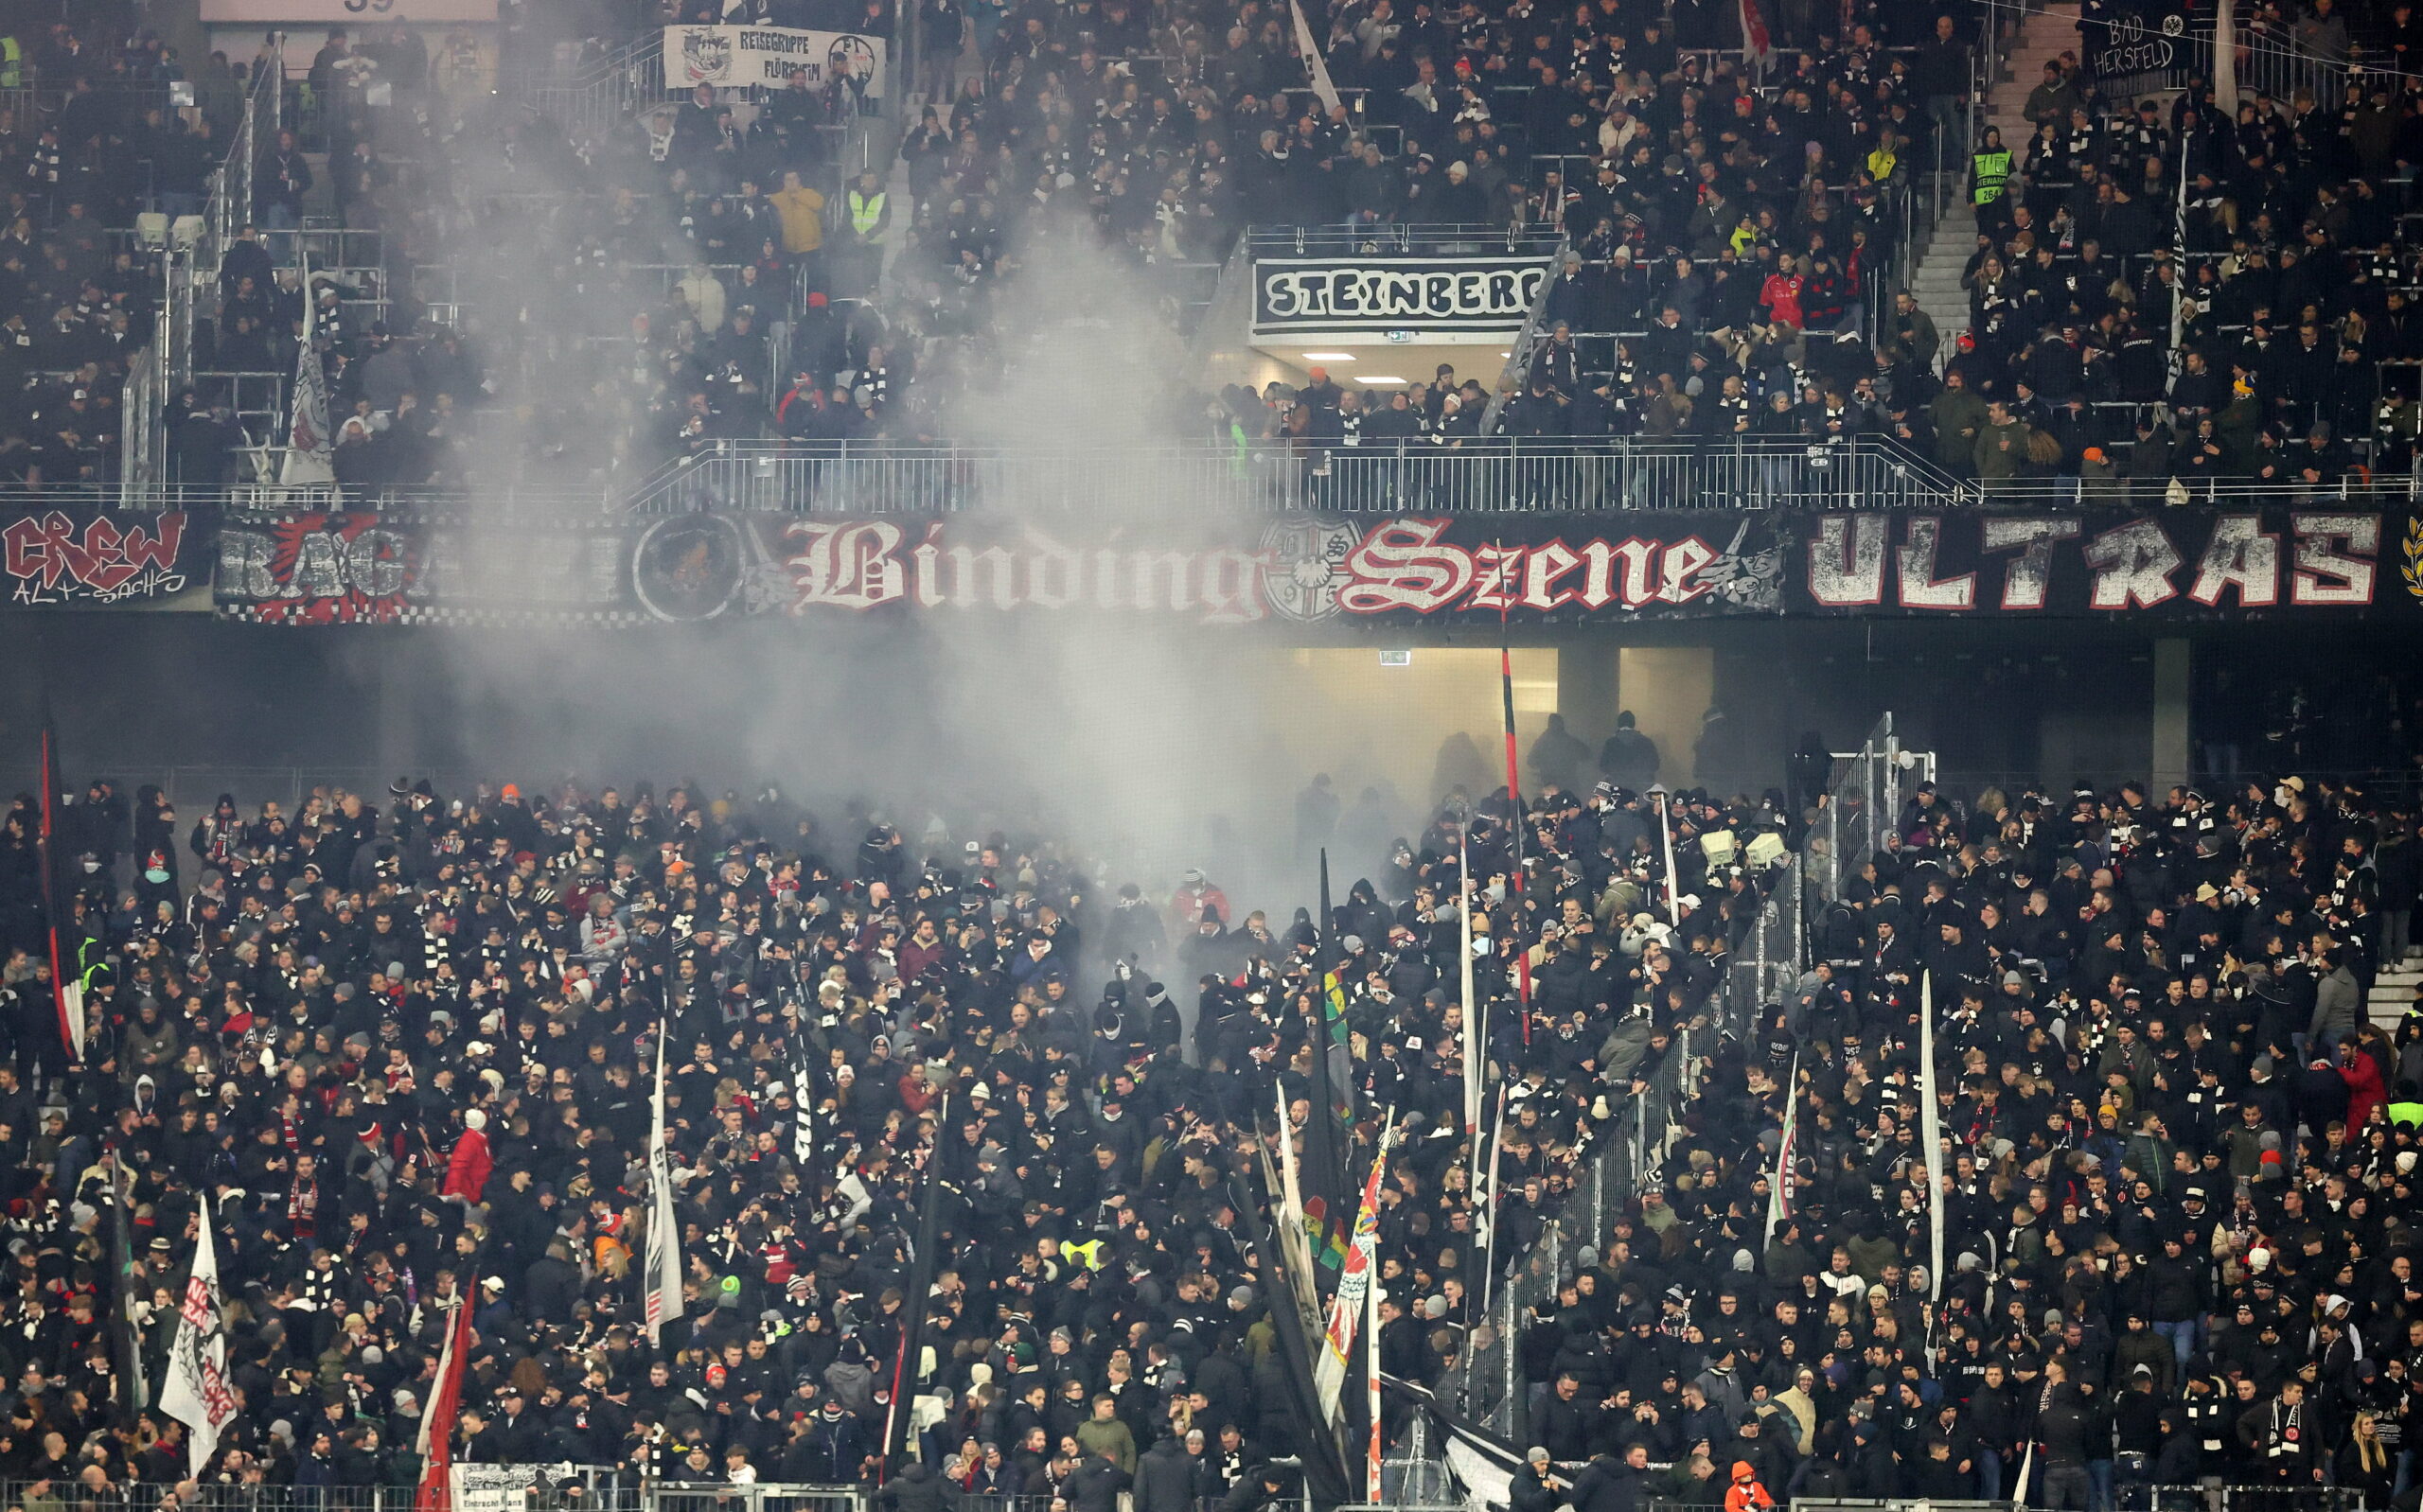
2359	489
1477	475
754	1497
600	1489
2145	1497
594	100
1525	345
1388	238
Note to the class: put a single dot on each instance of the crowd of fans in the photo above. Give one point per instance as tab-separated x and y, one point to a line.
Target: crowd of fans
2177	1238
1737	236
745	265
405	1045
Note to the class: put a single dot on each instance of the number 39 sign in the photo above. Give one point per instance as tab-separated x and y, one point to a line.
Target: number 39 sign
347	12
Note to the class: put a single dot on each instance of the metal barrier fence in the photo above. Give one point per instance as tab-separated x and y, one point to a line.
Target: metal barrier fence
553	1488
1863	798
2214	1498
1481	475
1624	1153
593	100
778	1497
1767	957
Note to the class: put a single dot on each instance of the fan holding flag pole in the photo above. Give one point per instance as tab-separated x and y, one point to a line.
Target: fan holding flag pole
196	1391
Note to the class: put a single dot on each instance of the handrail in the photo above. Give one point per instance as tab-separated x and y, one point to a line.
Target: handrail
1397	239
1525	345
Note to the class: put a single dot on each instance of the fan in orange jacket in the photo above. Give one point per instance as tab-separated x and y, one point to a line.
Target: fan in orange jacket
1747	1494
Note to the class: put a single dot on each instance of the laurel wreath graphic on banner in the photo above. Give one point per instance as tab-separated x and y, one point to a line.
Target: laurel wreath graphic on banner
2411	568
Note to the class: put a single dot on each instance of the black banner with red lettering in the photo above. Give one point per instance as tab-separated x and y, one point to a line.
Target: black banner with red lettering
1397	570
1298	568
62	558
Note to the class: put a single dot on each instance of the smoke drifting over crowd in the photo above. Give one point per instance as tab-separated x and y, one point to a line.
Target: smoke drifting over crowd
1154	745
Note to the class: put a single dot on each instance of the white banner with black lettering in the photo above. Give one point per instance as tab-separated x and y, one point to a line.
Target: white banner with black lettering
1421	296
509	1488
741	57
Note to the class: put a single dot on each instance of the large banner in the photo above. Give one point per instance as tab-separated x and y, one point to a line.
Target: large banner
741	57
363	568
2167	563
89	559
1297	297
1400	570
1295	568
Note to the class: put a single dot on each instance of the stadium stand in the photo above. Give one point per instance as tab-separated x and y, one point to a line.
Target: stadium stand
1805	243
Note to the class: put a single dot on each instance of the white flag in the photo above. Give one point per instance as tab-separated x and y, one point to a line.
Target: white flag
310	450
664	1240
71	1002
1292	1235
1310	46
1779	1193
195	1391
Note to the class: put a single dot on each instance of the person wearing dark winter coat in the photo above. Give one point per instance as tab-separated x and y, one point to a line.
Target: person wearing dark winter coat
1096	1485
1168	1478
1535	1487
917	1489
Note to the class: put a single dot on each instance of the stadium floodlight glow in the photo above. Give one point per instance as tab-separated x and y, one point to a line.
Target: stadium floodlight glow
1380	379
1329	357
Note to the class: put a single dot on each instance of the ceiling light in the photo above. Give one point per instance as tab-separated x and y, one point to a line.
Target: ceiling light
1380	379
1329	357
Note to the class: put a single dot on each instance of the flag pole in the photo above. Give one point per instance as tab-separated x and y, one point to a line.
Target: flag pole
1476	1017
67	989
1489	1282
1371	1386
1666	833
136	1392
1514	794
1931	1129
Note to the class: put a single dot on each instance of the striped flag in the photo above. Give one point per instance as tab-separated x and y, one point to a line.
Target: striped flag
435	1444
1355	1278
1756	46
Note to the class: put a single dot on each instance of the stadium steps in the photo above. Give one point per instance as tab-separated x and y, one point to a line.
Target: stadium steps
2393	991
2043	35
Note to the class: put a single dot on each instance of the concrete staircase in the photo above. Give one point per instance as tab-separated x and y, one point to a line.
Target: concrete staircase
2043	36
2394	989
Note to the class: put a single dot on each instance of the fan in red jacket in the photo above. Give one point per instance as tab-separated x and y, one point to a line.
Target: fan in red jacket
467	1168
